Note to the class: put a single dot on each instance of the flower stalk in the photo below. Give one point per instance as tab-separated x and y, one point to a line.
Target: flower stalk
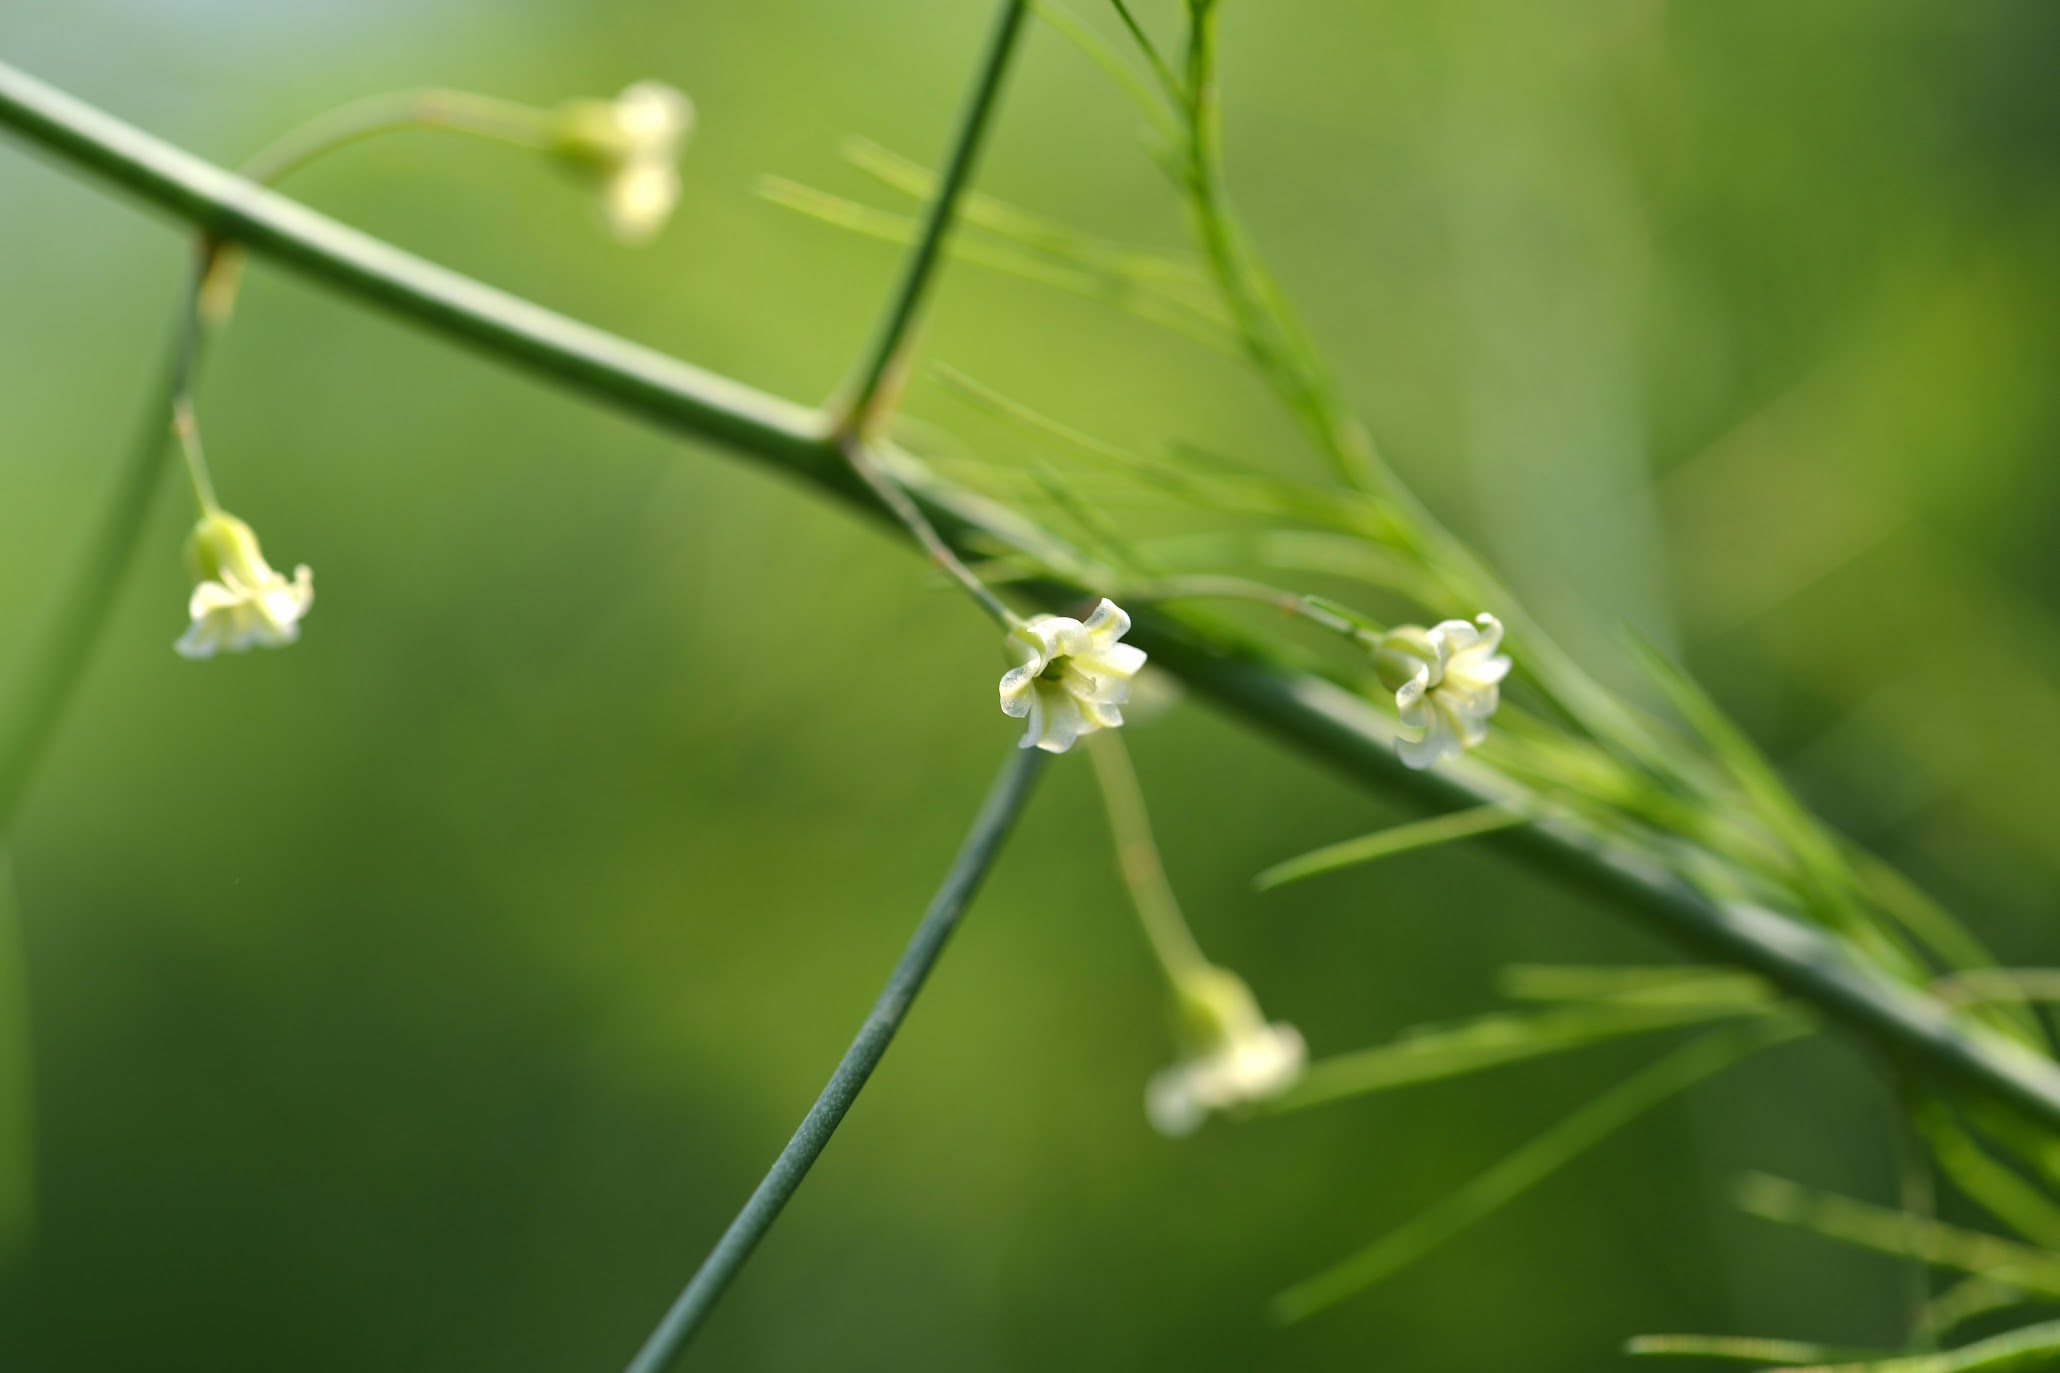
1232	1058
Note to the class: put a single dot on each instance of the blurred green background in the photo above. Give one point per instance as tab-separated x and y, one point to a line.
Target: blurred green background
427	996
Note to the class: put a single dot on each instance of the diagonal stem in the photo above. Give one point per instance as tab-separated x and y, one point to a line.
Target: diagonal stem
1340	728
38	681
983	843
891	494
871	396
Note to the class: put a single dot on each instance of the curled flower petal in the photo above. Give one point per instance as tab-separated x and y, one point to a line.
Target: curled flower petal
1446	681
1108	624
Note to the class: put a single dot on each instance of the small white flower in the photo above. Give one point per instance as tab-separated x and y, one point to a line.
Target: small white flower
1071	677
633	142
238	601
1446	681
1236	1057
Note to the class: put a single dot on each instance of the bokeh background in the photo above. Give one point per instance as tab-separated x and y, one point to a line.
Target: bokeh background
427	996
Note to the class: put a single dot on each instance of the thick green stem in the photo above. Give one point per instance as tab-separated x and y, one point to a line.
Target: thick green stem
1342	729
983	844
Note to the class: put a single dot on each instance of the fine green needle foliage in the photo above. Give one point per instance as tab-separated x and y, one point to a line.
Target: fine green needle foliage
1900	1233
1083	274
1742	1349
1971	1299
1430	1053
1544	1155
1422	834
1178	277
1980	1175
1631	986
1823	870
1155	103
2031	1348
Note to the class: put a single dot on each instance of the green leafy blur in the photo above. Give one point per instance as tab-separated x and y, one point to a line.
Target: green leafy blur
428	995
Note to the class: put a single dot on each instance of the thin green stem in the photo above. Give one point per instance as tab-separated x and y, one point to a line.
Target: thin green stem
17	1080
1339	728
883	373
1137	858
1168	82
1917	1195
982	845
482	116
1152	104
53	654
40	679
186	429
903	507
431	108
865	411
1271	337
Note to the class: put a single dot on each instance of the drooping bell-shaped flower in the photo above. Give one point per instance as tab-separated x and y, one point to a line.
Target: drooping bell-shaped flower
1071	677
238	601
632	143
1233	1056
1447	682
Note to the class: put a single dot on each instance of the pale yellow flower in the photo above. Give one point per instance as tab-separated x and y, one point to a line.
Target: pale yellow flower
1072	678
238	601
1235	1058
1447	682
633	143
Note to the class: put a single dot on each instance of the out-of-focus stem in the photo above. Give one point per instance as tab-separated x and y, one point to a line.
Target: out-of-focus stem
1137	858
44	671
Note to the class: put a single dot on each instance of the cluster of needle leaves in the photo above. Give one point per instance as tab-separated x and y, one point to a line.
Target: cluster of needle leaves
1668	776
